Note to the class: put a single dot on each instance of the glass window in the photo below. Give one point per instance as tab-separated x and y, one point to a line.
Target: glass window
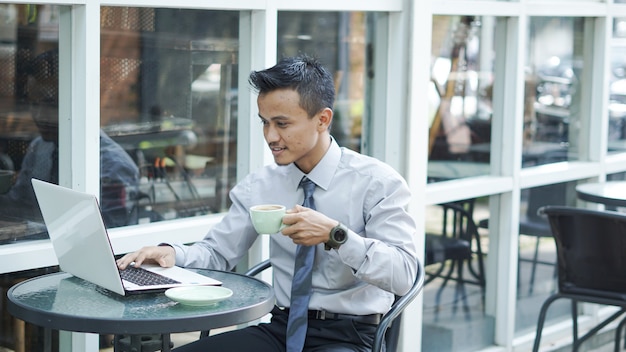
339	40
28	114
457	243
461	86
617	88
552	93
537	255
169	99
28	139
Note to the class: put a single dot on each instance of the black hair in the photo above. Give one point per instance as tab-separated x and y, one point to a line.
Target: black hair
44	68
304	74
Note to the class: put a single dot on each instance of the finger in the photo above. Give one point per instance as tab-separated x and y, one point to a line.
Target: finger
298	208
123	262
141	257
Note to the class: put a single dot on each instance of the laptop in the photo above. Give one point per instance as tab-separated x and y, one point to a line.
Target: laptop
83	248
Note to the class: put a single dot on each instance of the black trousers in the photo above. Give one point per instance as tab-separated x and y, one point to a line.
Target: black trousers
322	335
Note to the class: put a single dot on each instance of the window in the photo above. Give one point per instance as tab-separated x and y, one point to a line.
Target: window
339	40
169	99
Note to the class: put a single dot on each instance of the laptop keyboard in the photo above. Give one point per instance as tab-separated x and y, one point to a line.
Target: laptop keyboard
143	277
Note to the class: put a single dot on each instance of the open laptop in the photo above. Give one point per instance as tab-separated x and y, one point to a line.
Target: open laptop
83	248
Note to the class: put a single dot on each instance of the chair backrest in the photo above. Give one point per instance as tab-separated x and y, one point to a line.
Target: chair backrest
389	326
542	196
458	220
590	250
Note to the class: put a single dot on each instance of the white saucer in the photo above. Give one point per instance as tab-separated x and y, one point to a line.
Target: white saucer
198	295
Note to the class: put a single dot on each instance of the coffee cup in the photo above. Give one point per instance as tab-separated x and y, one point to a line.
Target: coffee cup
267	218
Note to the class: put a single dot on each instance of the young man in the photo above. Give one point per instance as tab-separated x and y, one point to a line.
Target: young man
355	225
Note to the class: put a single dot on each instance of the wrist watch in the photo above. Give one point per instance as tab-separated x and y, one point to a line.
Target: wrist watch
338	236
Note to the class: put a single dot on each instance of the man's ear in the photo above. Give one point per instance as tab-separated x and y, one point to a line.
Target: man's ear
325	118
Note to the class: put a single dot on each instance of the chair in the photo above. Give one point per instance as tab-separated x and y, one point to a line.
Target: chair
388	329
532	224
590	247
458	245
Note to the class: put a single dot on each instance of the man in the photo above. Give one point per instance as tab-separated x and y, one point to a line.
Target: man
119	174
355	224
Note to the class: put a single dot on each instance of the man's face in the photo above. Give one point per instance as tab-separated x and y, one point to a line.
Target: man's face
46	118
293	137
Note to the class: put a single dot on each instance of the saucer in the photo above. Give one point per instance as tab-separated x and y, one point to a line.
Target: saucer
198	295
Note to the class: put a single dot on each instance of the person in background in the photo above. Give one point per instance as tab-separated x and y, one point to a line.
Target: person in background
119	174
352	237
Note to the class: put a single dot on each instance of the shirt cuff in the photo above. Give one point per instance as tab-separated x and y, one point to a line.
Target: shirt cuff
353	252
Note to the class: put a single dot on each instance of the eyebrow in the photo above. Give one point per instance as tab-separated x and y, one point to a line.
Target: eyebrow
273	118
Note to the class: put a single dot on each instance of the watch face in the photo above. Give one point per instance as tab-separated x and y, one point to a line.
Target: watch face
340	235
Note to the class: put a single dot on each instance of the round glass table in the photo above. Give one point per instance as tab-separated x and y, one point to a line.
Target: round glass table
61	301
611	193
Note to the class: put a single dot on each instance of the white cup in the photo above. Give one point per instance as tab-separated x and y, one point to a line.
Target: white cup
267	218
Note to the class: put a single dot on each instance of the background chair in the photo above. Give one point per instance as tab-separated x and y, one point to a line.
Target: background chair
388	329
456	248
534	225
590	248
531	224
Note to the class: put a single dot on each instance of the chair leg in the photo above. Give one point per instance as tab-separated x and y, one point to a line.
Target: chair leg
446	278
459	292
533	270
590	333
541	320
618	334
575	325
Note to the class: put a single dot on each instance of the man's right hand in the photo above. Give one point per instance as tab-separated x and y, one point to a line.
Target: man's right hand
164	256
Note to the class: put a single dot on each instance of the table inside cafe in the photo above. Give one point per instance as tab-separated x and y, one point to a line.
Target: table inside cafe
60	301
609	193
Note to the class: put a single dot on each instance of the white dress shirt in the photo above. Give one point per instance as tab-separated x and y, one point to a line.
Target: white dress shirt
379	258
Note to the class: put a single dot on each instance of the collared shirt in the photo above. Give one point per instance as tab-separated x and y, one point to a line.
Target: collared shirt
367	196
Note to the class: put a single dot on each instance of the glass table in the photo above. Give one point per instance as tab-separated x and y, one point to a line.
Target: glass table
61	301
610	193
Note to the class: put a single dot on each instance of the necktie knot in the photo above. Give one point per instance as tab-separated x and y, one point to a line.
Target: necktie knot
308	187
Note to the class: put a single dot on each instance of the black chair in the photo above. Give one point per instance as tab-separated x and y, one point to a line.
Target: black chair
532	224
456	248
535	225
388	329
590	248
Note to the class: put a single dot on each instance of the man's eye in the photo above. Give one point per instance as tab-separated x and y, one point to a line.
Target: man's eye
281	124
264	122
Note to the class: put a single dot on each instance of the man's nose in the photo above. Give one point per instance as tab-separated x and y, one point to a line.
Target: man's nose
271	134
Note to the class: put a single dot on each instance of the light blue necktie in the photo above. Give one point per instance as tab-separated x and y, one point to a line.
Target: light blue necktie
301	284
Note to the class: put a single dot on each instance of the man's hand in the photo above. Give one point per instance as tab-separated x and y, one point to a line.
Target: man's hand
307	226
165	256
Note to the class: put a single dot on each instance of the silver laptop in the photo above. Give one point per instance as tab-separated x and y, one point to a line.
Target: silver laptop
83	249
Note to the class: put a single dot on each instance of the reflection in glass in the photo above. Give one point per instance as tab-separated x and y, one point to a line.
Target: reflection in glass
169	98
338	39
617	89
29	117
537	254
552	94
461	86
454	317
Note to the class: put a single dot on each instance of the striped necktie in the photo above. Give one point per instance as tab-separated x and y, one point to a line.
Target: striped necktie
301	284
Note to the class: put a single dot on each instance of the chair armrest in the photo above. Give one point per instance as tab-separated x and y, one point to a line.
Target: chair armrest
259	267
397	308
